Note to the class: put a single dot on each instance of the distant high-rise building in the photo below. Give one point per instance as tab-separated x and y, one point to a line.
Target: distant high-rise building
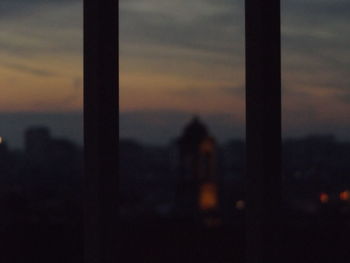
3	145
4	158
197	186
4	152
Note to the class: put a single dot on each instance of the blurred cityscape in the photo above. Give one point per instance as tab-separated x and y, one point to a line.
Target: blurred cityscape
193	183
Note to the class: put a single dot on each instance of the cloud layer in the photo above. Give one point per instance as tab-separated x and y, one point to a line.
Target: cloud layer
180	55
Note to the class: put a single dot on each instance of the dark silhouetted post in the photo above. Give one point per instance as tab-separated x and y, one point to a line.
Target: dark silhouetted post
101	129
263	95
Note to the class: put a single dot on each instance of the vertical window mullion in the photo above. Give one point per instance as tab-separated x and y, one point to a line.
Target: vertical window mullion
263	128
101	129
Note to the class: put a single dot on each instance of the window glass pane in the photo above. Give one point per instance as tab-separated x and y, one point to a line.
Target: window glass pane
316	59
182	176
41	130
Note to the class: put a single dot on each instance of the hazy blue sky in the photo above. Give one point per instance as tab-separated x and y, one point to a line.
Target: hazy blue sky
180	57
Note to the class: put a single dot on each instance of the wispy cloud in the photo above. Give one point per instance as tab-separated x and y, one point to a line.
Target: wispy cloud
185	52
30	70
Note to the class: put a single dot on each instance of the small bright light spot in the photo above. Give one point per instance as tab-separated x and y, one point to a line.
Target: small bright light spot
1	140
240	205
324	198
208	198
345	196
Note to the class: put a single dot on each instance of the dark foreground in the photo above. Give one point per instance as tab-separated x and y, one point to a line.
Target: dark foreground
165	241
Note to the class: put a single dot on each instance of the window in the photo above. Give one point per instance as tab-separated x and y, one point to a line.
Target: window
182	110
41	131
315	127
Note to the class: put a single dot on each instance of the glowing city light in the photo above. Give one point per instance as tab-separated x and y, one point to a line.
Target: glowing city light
240	205
208	196
324	198
1	140
207	146
345	195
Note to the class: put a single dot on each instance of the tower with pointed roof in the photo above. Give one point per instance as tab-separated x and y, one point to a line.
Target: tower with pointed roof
197	186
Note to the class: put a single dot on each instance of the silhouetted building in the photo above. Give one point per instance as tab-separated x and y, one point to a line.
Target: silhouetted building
3	146
197	186
4	157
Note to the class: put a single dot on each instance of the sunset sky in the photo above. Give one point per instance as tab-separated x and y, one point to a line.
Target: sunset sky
179	57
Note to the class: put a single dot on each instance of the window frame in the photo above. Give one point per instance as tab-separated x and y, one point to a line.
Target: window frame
101	128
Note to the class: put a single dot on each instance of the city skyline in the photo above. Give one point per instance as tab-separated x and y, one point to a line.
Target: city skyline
138	126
